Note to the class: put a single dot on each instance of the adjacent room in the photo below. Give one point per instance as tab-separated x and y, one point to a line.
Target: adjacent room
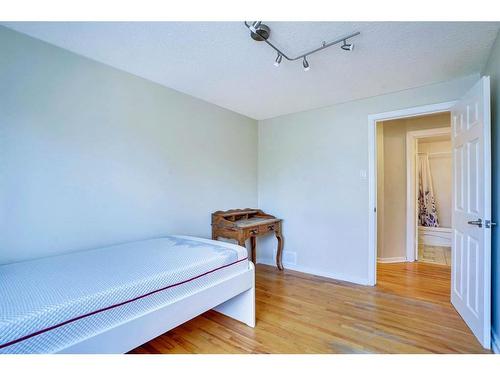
284	187
414	174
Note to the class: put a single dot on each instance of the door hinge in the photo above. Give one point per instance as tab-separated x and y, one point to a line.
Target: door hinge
489	223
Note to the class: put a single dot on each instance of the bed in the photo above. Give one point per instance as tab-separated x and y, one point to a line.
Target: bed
113	299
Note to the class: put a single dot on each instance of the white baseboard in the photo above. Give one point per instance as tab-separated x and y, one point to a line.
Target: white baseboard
298	268
391	260
495	342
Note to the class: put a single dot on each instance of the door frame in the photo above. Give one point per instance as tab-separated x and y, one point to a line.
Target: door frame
372	171
411	185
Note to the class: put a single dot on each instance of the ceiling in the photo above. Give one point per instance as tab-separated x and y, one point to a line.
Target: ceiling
219	62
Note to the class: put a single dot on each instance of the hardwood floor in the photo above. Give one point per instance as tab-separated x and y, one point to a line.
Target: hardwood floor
407	312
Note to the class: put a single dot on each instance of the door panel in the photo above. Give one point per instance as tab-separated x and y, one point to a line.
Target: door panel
473	167
470	291
457	262
459	179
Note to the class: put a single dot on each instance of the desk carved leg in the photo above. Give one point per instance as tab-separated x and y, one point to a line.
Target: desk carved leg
279	253
253	247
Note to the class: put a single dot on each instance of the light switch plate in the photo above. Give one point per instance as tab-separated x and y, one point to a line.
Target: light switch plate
363	174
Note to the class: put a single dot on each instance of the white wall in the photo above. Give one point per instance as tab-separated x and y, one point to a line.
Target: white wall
309	175
90	155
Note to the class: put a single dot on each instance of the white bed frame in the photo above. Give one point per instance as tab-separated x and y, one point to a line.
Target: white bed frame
234	297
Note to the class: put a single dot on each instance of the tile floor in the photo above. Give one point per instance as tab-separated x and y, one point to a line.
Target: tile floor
434	254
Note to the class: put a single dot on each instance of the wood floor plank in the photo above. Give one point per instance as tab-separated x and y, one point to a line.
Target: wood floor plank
407	312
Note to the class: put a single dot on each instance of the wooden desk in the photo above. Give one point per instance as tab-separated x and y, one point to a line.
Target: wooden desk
243	224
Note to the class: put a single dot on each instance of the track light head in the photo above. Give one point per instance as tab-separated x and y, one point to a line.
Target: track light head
254	26
347	47
277	62
259	31
305	64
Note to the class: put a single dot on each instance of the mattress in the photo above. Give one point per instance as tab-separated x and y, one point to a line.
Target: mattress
51	303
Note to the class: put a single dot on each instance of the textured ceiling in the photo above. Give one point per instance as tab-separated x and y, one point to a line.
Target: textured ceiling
218	62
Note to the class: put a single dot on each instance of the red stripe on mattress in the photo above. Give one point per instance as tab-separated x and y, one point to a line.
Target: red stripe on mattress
113	306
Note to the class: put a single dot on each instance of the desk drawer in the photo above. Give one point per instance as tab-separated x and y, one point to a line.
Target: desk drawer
265	228
253	231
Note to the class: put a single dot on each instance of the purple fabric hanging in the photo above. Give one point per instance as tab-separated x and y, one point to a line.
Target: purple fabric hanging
427	212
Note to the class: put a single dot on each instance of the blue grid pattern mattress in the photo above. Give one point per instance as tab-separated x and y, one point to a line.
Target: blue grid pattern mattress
51	303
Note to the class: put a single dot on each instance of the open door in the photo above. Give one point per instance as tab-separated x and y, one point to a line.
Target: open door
471	210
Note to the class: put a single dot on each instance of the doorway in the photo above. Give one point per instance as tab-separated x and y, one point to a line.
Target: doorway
429	188
372	171
414	189
433	199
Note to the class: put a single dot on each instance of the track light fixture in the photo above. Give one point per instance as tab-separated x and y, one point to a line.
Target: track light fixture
255	26
305	64
277	62
347	47
261	33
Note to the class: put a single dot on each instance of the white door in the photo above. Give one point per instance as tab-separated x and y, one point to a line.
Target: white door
471	215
